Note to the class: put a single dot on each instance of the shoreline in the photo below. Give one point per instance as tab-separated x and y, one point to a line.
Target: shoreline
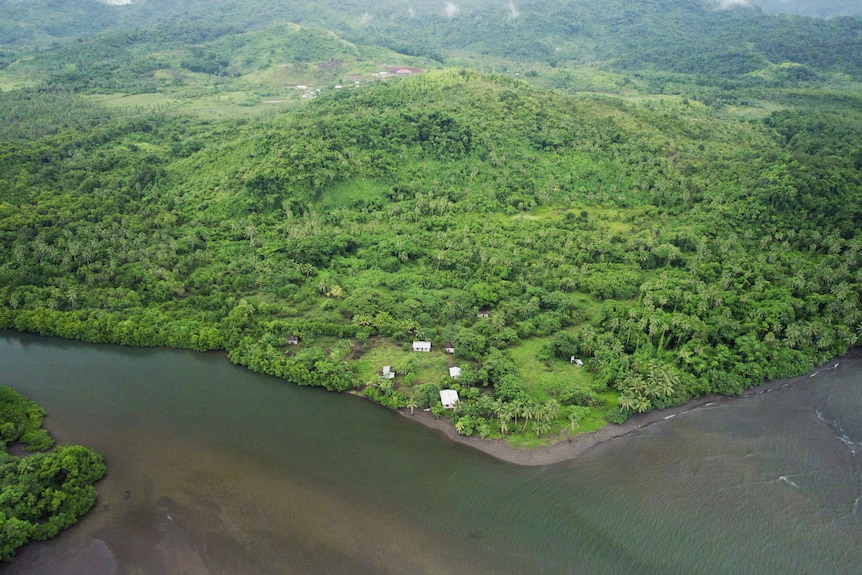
567	447
575	445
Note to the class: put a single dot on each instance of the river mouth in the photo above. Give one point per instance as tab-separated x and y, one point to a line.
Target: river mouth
213	469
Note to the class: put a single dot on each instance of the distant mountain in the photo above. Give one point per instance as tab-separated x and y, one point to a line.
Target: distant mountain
819	8
718	39
40	22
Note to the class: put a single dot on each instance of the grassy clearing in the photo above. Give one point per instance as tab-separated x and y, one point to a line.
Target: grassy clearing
207	106
759	112
546	379
10	82
426	367
125	101
589	306
617	220
343	195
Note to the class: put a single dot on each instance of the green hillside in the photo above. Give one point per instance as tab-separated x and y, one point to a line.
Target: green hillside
683	221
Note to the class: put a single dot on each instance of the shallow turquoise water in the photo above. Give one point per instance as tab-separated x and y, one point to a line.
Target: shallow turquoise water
213	469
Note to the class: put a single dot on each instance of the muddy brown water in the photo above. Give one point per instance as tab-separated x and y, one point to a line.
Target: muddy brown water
216	470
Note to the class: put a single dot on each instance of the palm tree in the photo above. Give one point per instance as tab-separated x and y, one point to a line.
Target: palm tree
627	401
72	295
504	425
573	420
459	426
661	381
527	412
411	405
506	412
541	426
541	421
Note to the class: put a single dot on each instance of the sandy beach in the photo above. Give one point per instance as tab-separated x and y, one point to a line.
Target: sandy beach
571	446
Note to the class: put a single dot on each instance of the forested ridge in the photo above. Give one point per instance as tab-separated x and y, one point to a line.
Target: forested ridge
681	232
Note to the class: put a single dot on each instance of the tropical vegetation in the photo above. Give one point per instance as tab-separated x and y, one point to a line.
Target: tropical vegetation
682	216
46	491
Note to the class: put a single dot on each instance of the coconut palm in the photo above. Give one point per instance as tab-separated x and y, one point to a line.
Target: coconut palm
411	405
573	419
627	401
504	425
527	411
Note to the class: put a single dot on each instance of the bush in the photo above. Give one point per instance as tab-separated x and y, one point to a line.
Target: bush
578	396
510	387
565	345
426	395
21	421
617	416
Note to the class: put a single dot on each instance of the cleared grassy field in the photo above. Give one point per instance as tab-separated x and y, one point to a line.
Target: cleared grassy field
424	367
546	378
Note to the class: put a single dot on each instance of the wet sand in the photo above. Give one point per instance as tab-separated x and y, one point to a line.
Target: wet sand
570	446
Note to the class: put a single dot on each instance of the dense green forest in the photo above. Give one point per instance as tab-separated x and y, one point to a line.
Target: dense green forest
668	191
47	491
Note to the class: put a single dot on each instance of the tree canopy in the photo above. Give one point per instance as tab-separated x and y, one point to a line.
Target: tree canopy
678	209
43	493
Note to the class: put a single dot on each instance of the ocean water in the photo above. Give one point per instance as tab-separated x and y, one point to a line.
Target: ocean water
215	470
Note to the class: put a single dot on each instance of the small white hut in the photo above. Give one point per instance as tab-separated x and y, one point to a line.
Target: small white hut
448	397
